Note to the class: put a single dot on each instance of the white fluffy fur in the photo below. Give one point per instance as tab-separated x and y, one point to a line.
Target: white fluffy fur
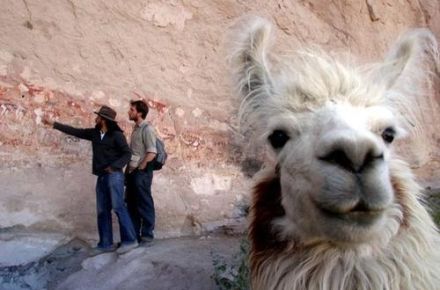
325	105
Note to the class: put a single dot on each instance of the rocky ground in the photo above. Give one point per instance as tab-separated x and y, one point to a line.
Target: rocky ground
60	263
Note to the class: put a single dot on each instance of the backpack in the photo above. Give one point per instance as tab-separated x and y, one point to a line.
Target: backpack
161	155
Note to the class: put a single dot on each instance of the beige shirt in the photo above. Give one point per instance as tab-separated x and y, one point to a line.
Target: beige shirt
140	145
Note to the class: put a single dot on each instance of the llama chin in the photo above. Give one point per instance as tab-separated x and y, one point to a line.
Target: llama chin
340	210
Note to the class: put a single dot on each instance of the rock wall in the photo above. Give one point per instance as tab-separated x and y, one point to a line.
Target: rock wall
66	58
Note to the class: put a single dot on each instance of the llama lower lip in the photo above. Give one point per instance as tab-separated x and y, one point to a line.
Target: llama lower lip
358	217
364	218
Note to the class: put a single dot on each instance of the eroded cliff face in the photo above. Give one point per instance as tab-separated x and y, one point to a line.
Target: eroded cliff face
67	58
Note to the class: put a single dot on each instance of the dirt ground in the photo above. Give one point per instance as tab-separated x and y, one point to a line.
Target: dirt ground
182	263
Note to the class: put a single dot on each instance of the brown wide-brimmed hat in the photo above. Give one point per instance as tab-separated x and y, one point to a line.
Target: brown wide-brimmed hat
107	113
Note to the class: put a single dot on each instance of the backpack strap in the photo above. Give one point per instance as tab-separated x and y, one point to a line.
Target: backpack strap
143	133
149	164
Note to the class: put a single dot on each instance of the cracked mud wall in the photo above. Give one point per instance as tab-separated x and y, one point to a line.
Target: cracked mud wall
66	58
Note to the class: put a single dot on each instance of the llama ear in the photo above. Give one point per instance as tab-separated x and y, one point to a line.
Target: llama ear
405	62
249	41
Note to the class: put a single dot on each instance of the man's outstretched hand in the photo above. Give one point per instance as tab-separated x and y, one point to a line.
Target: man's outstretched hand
47	121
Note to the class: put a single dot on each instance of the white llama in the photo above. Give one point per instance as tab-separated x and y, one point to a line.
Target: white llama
339	210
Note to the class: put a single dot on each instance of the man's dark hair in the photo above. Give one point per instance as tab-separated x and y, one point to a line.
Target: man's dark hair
141	107
113	126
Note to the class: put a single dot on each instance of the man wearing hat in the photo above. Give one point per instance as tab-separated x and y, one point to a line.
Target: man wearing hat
110	154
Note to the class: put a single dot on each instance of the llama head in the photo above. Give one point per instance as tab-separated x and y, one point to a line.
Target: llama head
331	127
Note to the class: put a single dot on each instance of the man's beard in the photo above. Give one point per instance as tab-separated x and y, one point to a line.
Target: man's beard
98	126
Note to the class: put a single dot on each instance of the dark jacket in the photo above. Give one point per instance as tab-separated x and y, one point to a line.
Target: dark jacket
111	151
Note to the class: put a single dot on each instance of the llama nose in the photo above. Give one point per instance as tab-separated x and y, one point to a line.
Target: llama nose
353	156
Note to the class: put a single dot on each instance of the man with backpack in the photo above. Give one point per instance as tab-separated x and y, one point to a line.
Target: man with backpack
139	173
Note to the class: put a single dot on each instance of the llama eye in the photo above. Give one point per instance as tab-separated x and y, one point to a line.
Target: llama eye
388	135
278	139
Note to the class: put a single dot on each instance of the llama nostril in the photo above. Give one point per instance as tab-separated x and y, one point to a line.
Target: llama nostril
338	157
369	159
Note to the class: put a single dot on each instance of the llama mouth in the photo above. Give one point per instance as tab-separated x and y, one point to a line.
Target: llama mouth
358	215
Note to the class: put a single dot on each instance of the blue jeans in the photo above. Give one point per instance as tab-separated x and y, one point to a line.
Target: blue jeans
140	202
110	195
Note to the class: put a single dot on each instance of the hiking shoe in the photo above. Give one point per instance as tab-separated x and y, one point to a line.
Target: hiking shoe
124	248
146	240
99	250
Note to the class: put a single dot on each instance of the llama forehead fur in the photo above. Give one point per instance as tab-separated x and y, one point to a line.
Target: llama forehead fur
340	211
